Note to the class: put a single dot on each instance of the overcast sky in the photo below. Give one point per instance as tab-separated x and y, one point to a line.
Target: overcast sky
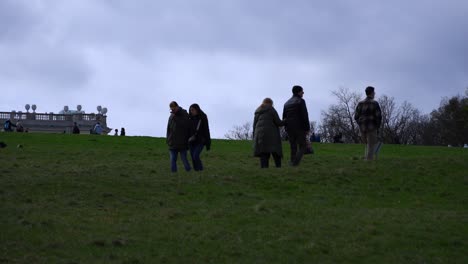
134	57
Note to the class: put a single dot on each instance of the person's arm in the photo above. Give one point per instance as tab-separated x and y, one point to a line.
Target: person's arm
357	113
305	116
378	115
254	124
208	135
278	122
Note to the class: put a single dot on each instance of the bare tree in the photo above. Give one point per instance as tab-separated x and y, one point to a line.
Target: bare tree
340	117
399	124
242	132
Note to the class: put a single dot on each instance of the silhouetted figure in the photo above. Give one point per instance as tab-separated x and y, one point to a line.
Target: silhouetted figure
266	134
200	135
297	124
19	127
76	129
116	133
338	138
122	132
369	117
178	133
8	126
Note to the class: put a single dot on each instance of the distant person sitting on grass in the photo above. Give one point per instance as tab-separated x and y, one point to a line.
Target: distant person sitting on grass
7	126
19	127
369	117
97	129
178	133
116	133
122	132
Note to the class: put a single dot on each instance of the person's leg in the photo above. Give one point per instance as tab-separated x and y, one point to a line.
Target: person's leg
364	140
173	156
183	157
301	141
192	155
371	144
293	144
195	152
277	159
264	160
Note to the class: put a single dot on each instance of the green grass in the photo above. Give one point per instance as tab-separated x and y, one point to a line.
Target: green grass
97	199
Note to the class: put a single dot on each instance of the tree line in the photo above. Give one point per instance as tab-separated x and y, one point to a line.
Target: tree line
401	123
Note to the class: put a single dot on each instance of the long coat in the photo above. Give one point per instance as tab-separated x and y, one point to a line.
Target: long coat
203	134
178	130
267	138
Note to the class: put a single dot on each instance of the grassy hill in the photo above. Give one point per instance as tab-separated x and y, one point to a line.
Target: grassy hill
98	199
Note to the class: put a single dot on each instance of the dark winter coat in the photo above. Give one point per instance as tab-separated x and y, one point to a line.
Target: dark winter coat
266	134
203	134
295	114
178	130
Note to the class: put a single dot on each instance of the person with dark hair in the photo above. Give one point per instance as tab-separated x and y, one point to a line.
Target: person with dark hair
122	132
369	117
178	132
76	129
200	135
7	126
266	134
297	124
116	132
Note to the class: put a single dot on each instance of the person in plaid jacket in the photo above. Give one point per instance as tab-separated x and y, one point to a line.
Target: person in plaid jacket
369	117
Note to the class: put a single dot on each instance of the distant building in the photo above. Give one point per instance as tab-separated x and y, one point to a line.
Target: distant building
58	123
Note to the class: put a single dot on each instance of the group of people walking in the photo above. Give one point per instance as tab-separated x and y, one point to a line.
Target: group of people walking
187	131
266	131
190	131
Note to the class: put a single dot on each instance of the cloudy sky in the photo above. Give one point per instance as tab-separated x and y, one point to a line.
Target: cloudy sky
134	57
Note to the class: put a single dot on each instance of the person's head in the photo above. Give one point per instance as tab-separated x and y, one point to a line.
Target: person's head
195	110
297	90
267	102
174	107
116	130
370	91
122	129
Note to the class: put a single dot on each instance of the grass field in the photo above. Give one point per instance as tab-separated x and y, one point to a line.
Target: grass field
97	199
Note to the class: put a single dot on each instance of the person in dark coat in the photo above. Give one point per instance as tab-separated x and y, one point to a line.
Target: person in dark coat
178	133
200	135
76	129
122	132
297	124
266	134
8	126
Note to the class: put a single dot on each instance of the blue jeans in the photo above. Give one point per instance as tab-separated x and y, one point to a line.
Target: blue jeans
183	156
195	152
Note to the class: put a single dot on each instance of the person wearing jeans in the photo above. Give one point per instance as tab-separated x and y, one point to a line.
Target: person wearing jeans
178	132
183	156
200	135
